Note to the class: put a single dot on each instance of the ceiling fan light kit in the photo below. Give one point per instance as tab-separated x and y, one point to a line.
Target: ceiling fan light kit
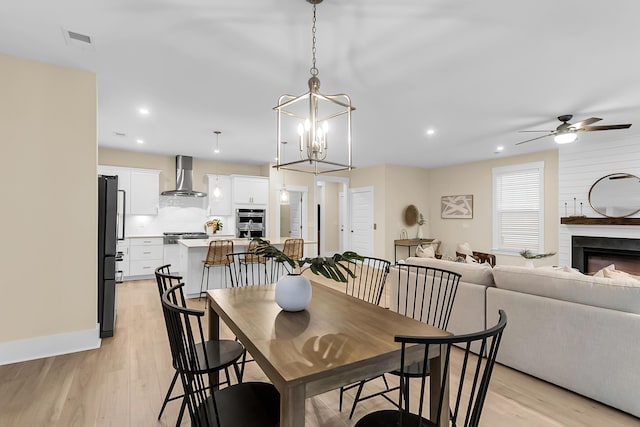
309	118
566	132
565	137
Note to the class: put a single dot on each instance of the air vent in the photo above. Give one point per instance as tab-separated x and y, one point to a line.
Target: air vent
76	39
79	37
120	134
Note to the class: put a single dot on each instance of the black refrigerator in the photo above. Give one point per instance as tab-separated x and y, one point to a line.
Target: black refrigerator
107	243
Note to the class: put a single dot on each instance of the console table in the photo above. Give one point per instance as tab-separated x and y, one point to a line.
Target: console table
409	243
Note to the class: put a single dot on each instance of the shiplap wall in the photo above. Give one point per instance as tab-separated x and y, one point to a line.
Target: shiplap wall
579	166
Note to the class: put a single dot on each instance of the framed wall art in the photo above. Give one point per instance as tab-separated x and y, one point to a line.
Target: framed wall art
459	207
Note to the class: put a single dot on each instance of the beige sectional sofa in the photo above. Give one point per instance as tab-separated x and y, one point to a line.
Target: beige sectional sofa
579	332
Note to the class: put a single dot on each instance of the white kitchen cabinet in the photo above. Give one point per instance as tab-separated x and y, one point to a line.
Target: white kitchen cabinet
250	190
141	187
145	192
172	257
222	206
122	267
145	255
124	182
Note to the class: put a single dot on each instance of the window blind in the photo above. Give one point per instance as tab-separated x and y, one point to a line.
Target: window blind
518	207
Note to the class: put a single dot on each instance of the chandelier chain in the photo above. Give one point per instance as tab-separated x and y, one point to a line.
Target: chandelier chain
314	70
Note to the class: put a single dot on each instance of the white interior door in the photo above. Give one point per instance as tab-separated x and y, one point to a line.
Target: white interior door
361	221
342	212
295	214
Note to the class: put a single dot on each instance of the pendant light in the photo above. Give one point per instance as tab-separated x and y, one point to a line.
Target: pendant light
309	118
217	191
217	149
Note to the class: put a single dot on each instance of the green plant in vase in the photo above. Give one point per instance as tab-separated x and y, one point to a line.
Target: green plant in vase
293	290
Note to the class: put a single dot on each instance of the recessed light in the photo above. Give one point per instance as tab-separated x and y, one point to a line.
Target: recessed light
216	151
499	148
140	141
431	131
144	111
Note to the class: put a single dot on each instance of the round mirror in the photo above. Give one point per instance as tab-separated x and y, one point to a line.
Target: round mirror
616	195
411	215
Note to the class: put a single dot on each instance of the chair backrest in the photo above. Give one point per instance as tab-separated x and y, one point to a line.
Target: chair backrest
248	269
185	331
293	248
164	278
218	250
371	275
472	373
424	293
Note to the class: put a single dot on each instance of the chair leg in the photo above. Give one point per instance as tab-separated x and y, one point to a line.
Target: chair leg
202	280
182	408
406	394
355	400
238	373
166	398
341	393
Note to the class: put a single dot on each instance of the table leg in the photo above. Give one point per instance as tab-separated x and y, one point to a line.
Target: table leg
214	334
437	369
292	409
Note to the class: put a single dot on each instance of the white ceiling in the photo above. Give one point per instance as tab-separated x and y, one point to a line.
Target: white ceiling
475	71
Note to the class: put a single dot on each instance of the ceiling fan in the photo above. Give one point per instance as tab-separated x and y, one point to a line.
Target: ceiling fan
566	132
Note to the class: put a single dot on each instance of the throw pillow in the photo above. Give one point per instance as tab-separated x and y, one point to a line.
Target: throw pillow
464	248
624	278
471	260
426	252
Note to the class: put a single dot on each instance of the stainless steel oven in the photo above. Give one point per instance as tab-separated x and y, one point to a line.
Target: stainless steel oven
250	223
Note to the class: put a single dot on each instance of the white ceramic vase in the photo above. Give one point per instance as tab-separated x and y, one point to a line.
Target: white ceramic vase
293	292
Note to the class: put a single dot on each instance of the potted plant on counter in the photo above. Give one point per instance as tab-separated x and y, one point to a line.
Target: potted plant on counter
293	290
213	226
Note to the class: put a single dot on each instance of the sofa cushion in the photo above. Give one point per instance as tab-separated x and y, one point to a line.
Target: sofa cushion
480	274
577	288
425	252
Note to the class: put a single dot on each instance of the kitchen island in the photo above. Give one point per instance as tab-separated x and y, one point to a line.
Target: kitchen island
193	251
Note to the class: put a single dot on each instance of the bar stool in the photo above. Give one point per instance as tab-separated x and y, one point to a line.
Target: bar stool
293	248
216	257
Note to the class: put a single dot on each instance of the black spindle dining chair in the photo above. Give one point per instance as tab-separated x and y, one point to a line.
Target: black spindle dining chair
471	371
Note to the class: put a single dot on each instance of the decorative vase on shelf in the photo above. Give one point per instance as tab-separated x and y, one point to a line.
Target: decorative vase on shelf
293	292
419	236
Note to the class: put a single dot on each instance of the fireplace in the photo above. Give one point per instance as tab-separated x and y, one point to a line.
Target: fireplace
590	254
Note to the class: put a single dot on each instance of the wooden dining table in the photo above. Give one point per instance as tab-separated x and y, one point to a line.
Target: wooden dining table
336	341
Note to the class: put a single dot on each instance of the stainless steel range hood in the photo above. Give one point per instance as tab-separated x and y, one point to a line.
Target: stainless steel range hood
184	179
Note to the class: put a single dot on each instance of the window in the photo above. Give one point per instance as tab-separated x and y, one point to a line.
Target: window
518	208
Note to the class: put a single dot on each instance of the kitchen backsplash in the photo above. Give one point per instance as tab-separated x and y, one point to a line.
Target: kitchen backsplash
175	214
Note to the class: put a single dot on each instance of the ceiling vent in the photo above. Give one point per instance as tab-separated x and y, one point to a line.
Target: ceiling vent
75	39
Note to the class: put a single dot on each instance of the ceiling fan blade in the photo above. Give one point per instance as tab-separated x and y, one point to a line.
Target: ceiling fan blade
533	139
585	122
547	131
606	127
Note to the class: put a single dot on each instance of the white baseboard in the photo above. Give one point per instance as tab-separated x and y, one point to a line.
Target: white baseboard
47	346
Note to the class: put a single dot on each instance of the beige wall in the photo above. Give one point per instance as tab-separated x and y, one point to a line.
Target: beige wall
395	187
167	166
476	179
49	220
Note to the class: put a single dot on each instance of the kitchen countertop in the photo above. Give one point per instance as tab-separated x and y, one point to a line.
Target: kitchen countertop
201	243
143	236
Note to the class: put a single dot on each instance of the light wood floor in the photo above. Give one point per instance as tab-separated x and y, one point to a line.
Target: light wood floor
123	384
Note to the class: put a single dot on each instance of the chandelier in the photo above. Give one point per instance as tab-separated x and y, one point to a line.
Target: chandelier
309	119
